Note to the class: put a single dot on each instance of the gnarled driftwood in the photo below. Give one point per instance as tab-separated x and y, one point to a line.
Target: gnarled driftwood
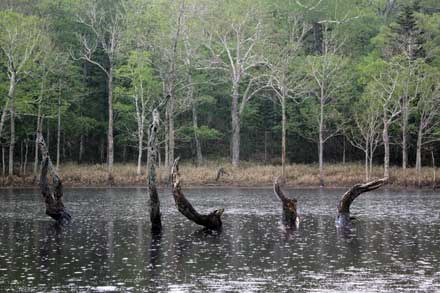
53	199
211	221
343	218
290	214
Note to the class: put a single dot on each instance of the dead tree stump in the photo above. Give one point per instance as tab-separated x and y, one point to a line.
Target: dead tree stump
155	215
210	221
53	199
290	214
343	217
220	173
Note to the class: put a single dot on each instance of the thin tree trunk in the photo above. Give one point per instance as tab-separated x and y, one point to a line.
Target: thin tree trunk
419	157
39	127
58	133
195	122
12	140
366	163
3	161
26	156
434	179
81	148
11	92
283	135
21	157
343	150
405	138
171	131
386	145
140	149
235	139
321	144
167	154
48	135
110	154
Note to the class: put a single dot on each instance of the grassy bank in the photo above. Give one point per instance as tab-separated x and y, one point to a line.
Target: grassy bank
248	174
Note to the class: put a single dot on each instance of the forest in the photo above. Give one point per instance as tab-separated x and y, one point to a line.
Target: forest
270	82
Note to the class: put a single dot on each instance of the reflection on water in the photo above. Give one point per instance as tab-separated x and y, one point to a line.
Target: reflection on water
394	245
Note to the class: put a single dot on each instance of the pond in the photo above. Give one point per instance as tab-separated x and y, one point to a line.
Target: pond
393	246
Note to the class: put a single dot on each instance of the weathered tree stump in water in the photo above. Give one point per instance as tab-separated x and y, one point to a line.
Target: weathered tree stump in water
343	218
210	221
155	215
53	199
290	214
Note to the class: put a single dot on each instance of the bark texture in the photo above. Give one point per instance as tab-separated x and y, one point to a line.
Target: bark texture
155	215
290	214
53	198
210	221
343	217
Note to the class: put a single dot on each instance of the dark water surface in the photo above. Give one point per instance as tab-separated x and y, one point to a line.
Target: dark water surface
394	246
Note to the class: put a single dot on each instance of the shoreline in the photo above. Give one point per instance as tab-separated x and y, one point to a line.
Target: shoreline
248	175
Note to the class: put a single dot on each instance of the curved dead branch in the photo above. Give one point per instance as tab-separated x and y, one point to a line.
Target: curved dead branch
53	199
211	221
347	199
290	214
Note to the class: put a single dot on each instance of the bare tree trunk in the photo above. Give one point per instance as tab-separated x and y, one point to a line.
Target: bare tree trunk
81	148
48	135
26	156
12	140
59	133
366	163
21	157
3	161
405	113
39	123
155	215
235	139
171	131
124	153
386	145
321	144
195	121
283	135
140	149
434	179
102	151
343	149
11	92
110	154
419	157
167	154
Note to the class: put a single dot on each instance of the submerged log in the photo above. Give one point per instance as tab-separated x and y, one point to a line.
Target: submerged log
343	218
155	215
290	214
210	221
53	199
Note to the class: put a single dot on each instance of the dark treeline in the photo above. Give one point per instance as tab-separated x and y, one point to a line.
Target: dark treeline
268	81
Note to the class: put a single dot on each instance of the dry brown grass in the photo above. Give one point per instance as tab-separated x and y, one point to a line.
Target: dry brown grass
248	174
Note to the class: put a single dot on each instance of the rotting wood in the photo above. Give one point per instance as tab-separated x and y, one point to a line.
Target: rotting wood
155	215
53	199
343	218
210	221
290	214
